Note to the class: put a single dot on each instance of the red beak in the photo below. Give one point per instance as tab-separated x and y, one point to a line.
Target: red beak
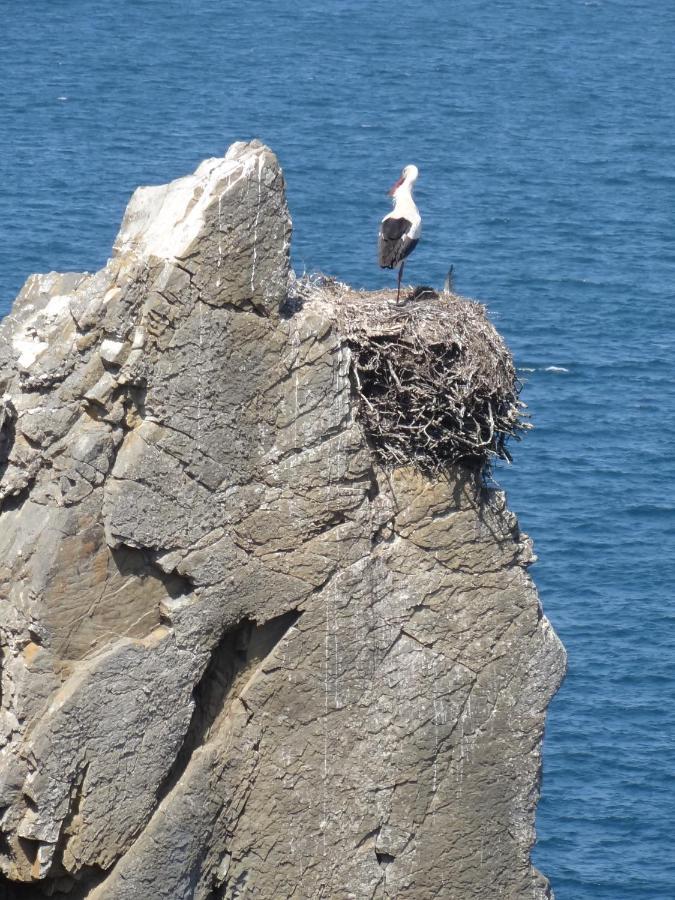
397	185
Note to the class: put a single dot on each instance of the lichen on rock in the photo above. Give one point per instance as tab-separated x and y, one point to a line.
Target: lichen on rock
240	655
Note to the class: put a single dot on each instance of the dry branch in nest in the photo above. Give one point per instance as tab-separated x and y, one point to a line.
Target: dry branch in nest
436	382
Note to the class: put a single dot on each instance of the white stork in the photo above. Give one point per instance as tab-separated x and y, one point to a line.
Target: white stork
400	230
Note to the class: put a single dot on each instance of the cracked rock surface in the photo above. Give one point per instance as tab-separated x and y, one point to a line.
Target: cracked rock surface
239	660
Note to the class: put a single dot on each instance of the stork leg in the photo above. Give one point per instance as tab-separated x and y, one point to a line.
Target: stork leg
400	275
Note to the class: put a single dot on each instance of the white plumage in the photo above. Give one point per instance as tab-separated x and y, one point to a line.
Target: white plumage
400	229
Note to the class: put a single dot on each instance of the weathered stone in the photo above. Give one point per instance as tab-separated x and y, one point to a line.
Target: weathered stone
238	658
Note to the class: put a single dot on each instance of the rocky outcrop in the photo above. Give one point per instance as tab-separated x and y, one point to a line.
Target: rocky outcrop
240	659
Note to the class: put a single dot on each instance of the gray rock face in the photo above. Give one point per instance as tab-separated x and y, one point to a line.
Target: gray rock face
238	658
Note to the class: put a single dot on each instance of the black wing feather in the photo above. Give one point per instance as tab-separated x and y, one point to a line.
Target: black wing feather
394	246
394	229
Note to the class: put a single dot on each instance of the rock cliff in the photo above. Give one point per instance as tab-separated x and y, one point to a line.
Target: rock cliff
239	657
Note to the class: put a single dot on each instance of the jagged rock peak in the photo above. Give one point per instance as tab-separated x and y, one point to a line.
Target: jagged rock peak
238	657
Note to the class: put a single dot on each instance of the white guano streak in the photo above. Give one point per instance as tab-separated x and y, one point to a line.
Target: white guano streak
163	221
261	163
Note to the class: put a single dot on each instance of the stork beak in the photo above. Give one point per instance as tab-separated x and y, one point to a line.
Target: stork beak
395	187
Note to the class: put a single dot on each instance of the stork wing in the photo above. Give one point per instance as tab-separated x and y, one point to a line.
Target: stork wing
394	229
394	246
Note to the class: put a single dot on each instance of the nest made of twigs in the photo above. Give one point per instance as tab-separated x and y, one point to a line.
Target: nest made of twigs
436	383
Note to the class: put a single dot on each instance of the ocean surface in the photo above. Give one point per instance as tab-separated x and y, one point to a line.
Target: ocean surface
545	136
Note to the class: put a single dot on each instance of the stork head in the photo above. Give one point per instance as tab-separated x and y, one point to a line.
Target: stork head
408	177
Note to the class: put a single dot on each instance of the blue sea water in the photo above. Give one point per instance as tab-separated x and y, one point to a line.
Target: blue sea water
545	136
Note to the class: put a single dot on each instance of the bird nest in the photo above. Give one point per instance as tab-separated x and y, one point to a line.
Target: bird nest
435	381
